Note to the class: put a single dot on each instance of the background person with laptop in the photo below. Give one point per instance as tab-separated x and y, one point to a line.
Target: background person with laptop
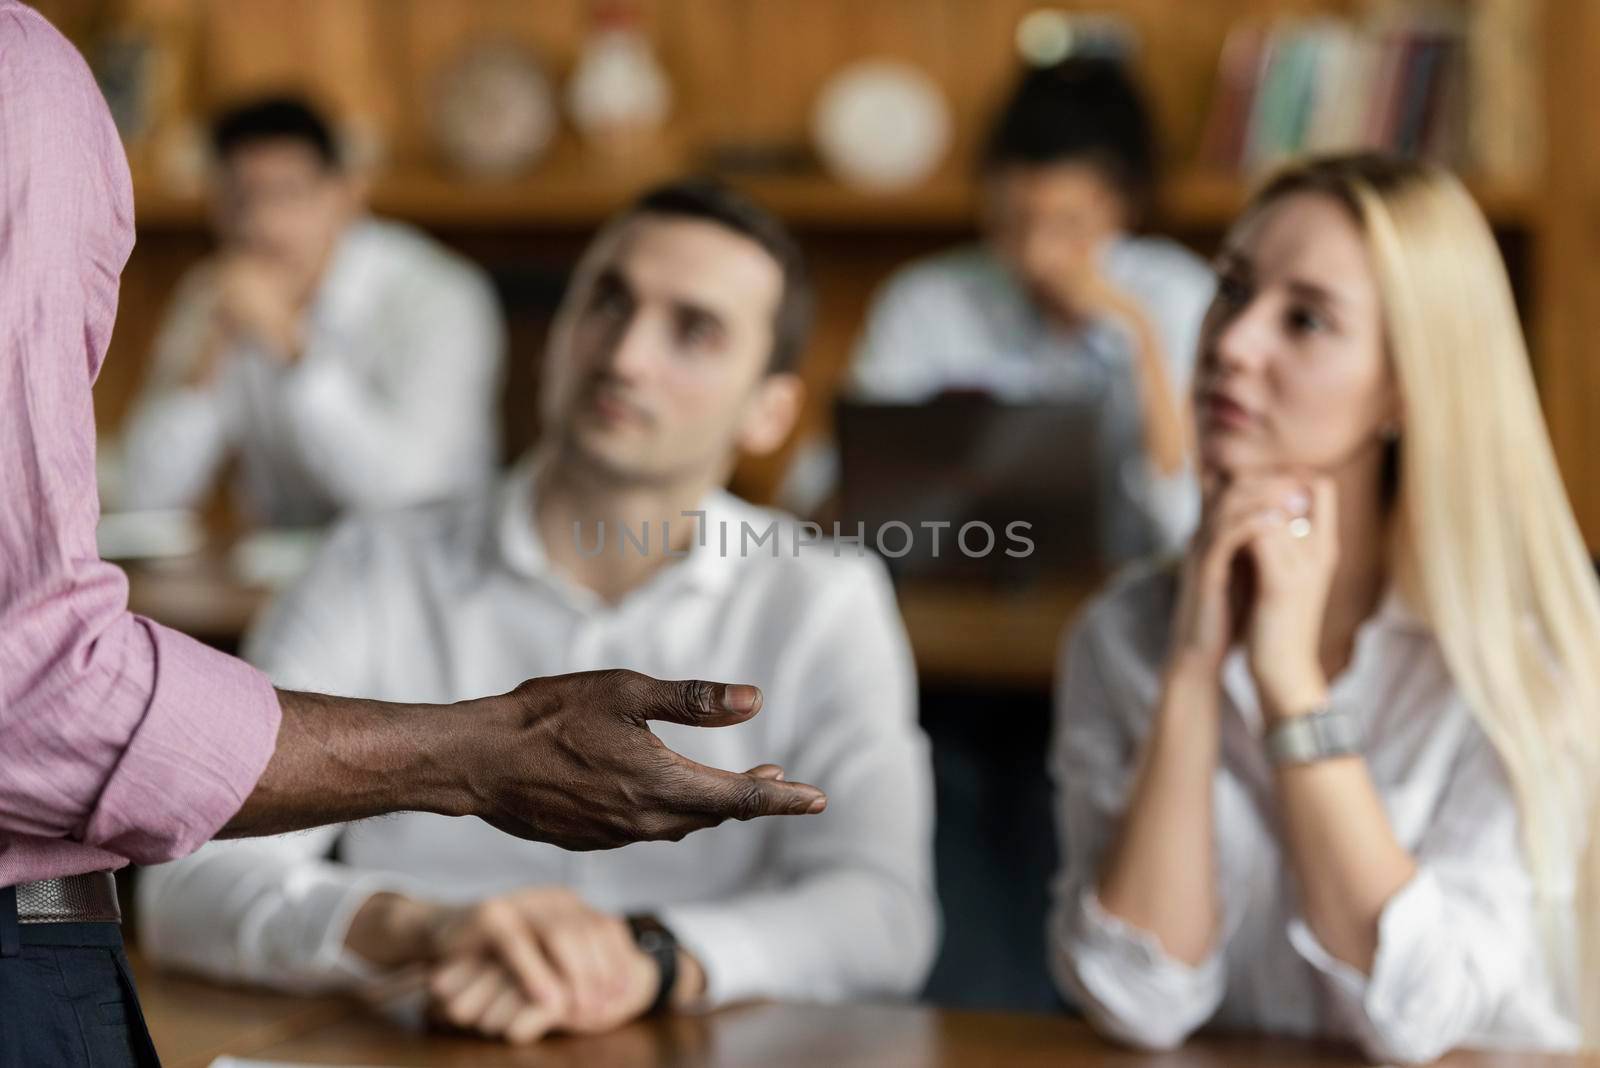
1062	303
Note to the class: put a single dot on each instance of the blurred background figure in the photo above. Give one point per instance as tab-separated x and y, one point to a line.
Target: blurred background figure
676	349
343	361
1062	301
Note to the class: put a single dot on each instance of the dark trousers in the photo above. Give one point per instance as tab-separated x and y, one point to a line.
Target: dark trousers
66	996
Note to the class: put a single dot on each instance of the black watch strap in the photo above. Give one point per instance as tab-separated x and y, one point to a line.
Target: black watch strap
660	945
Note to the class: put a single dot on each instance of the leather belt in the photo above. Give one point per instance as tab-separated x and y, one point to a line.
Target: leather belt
73	899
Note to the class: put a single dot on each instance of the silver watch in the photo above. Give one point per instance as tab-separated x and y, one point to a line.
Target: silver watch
1320	735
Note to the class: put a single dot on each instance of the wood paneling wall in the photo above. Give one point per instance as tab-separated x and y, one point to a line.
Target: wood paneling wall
747	71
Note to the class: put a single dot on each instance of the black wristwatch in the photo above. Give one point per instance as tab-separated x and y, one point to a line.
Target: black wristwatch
660	945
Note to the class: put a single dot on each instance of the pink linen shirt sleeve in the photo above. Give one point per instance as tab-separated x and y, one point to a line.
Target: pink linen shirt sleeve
119	739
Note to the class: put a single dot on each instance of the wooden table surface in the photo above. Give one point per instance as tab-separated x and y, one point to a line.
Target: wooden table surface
194	1022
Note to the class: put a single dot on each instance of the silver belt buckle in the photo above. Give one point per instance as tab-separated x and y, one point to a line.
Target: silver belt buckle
71	899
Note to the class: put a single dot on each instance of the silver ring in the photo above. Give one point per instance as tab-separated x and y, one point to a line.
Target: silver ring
1299	527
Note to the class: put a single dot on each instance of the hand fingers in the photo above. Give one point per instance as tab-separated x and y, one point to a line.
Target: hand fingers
534	973
1316	500
1279	501
1289	496
529	1024
697	703
723	795
1325	505
1276	548
486	999
485	981
767	771
508	936
450	978
496	1019
621	951
1228	543
580	961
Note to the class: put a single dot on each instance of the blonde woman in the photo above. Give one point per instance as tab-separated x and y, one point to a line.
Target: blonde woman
1327	776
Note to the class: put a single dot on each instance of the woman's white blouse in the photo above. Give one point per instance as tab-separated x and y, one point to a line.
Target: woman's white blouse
1461	956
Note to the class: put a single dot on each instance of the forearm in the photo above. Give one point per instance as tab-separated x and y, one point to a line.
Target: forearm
1159	873
1345	855
1164	416
391	929
339	759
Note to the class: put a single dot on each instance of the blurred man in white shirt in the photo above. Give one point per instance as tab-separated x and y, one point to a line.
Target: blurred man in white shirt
613	543
345	361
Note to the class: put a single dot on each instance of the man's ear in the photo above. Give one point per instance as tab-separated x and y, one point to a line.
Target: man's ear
770	416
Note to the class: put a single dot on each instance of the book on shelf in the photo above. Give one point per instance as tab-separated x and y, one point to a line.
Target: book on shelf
1408	81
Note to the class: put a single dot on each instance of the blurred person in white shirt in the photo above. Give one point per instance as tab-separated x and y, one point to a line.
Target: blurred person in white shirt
344	361
1334	774
1064	299
675	351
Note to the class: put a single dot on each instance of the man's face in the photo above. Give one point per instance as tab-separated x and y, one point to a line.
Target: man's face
277	200
657	368
1049	221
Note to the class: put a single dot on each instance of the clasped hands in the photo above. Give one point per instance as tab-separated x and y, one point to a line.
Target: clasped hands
518	966
1258	571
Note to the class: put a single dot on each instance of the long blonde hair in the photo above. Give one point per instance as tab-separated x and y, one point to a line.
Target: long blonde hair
1485	544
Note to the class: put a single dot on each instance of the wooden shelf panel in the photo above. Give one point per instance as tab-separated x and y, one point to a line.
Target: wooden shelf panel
1202	200
578	196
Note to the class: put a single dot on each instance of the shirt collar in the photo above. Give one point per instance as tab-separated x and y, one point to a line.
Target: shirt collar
521	548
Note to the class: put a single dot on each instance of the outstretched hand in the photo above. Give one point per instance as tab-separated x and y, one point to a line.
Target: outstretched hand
579	766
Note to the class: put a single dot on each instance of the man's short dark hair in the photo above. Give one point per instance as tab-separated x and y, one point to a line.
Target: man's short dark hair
275	118
711	201
1085	109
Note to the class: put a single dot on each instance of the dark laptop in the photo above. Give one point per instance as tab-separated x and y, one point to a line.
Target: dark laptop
969	459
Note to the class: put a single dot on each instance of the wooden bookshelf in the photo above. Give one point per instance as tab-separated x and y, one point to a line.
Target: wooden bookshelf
747	73
580	194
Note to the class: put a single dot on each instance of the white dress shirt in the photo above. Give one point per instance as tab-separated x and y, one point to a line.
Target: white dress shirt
1460	958
453	601
393	401
961	321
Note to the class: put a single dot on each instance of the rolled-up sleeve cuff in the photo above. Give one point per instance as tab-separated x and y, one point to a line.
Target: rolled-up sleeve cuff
1127	982
206	736
1395	1012
730	953
330	905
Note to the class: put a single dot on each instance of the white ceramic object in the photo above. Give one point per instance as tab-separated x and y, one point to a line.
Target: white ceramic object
881	124
618	88
495	112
